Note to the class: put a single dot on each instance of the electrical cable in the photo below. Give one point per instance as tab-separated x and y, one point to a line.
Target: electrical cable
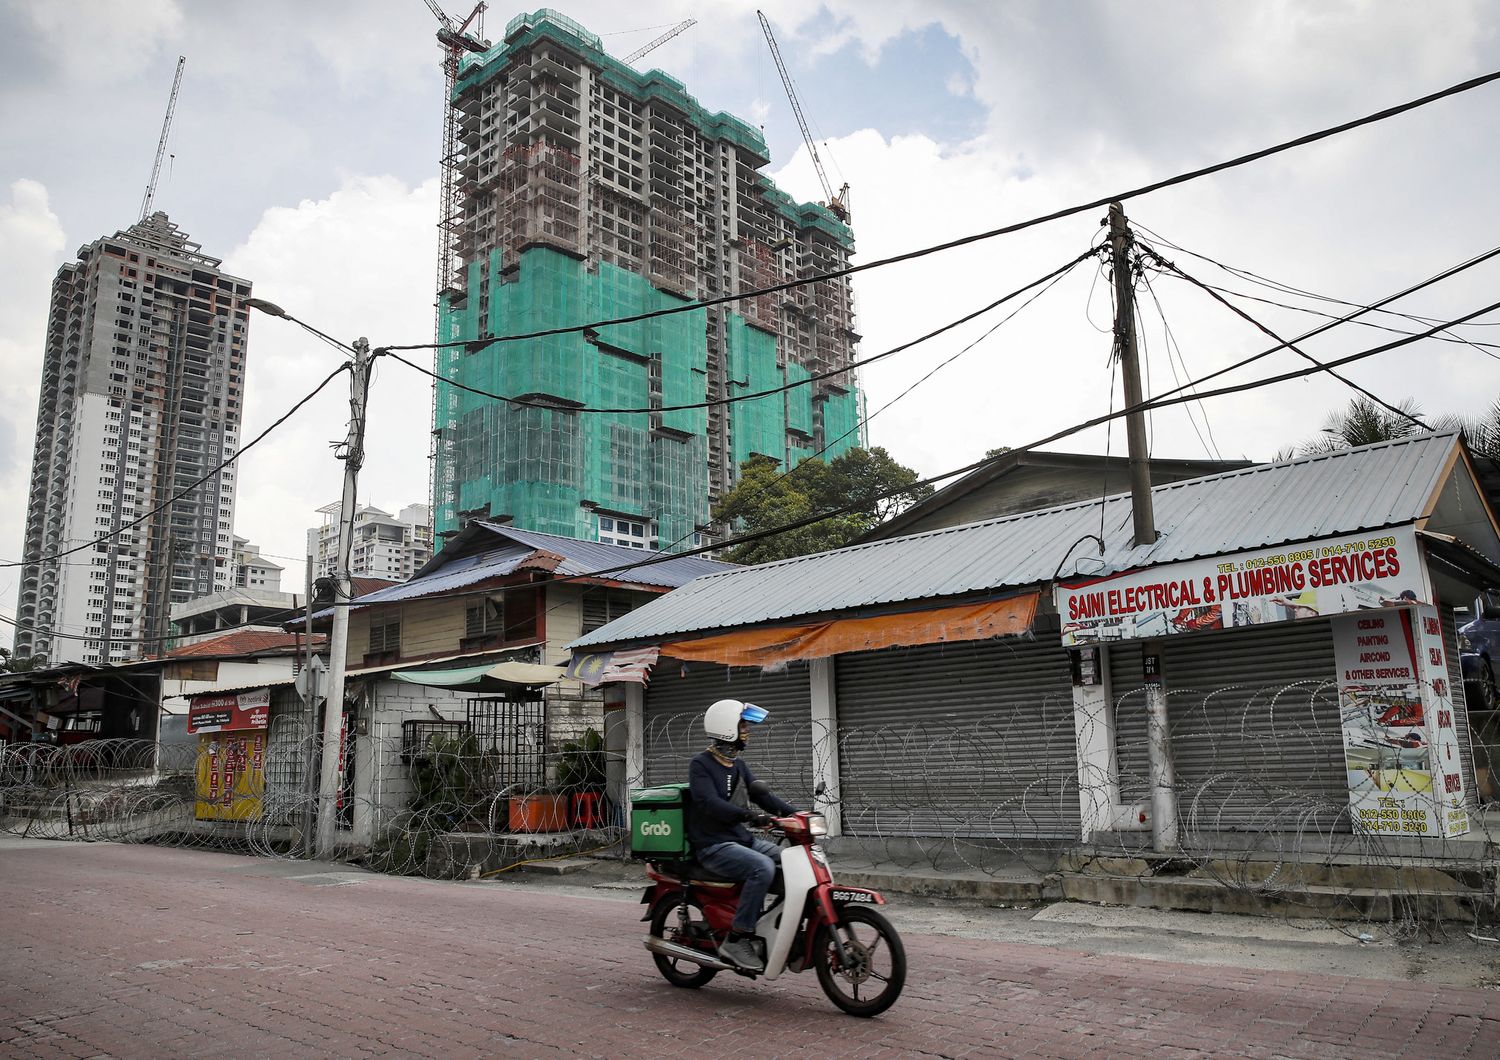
1210	445
1291	345
859	363
1487	348
1174	397
241	451
976	237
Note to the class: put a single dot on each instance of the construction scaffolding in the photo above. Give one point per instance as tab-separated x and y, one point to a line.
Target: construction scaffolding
591	191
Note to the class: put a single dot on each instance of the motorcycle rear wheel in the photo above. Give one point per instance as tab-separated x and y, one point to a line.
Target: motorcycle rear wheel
665	925
873	982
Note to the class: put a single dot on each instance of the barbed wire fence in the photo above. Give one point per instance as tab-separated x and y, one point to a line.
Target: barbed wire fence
1261	788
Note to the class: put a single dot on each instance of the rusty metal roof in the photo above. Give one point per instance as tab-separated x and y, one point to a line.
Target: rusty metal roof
1373	486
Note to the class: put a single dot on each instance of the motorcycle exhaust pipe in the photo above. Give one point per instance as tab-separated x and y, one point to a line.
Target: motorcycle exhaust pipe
679	952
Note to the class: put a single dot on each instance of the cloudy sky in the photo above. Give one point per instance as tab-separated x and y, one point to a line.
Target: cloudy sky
306	137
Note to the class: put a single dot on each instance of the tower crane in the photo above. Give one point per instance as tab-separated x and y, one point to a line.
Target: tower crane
455	40
839	203
659	41
161	145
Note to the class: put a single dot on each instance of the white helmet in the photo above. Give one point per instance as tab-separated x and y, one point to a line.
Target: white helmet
722	720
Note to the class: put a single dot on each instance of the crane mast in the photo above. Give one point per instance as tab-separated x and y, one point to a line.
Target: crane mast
659	41
836	203
161	145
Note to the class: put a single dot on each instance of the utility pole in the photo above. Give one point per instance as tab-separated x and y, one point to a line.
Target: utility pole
1164	835
1125	349
333	705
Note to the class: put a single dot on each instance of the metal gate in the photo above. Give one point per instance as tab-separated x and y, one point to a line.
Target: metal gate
780	751
1257	743
972	739
513	738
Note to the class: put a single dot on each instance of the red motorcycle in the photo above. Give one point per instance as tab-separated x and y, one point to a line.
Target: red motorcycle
808	922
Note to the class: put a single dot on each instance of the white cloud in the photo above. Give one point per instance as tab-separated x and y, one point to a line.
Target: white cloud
129	36
33	241
358	263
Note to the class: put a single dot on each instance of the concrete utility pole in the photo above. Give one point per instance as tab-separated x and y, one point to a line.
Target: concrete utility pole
1135	422
333	705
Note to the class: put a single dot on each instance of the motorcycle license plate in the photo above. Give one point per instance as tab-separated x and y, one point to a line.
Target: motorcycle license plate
860	897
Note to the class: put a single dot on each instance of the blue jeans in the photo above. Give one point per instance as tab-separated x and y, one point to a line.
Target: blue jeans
755	865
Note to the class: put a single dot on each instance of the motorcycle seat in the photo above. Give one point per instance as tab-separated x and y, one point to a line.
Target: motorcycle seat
691	871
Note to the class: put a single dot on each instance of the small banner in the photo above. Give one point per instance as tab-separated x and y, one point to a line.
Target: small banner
1396	710
226	713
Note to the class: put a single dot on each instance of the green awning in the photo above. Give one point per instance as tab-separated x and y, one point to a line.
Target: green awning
490	676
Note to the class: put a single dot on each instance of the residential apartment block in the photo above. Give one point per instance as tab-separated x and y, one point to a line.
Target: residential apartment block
392	547
584	190
142	392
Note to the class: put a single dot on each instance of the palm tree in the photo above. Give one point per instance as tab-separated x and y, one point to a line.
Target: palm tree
1363	423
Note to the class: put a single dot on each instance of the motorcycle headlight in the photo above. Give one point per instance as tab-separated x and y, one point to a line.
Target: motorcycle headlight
817	824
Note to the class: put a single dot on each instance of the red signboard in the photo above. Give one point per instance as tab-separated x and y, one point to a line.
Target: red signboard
229	713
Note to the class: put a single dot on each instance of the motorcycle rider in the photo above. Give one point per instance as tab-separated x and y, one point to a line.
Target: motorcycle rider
720	785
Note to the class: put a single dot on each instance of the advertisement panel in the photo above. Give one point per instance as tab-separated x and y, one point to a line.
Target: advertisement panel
226	713
1329	576
1396	712
231	778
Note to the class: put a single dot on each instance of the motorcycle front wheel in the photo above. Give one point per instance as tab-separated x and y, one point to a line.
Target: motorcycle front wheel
666	924
872	980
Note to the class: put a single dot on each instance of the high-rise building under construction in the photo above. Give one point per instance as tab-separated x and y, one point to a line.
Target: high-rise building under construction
141	396
578	189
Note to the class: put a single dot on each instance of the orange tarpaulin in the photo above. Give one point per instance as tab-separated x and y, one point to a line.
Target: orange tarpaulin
761	647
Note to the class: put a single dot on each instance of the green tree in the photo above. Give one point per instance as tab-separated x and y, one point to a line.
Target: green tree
867	481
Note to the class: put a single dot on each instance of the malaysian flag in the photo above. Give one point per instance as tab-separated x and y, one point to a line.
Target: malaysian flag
631	667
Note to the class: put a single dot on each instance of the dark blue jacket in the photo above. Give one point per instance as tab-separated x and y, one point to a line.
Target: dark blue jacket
713	817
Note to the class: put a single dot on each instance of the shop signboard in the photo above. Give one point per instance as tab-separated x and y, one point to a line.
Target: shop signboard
229	713
1396	710
1328	576
231	729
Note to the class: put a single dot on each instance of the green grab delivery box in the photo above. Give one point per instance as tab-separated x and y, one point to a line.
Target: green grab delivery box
658	825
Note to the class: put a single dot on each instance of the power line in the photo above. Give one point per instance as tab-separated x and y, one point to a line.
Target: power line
1237	311
860	363
1174	397
241	451
962	241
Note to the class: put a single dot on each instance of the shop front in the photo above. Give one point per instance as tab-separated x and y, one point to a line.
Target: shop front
1303	688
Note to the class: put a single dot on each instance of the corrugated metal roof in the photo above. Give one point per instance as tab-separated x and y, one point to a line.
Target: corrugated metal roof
1374	486
579	559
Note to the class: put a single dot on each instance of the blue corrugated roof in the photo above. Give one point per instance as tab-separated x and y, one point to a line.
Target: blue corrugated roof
1346	491
579	559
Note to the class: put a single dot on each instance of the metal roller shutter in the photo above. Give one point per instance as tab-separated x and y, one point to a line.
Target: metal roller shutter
1257	743
780	750
972	739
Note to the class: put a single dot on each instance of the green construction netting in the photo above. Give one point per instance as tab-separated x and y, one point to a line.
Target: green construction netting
540	465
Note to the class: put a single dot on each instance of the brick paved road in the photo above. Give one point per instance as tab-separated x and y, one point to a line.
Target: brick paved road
136	951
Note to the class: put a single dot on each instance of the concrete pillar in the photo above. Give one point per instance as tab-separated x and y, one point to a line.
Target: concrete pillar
635	736
1159	752
825	742
1094	728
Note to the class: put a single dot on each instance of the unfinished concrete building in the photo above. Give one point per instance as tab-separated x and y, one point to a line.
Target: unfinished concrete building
142	392
583	190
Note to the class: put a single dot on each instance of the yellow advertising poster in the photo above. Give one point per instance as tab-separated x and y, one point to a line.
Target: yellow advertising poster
231	775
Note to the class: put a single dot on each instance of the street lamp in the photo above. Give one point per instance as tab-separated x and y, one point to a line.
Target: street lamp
338	645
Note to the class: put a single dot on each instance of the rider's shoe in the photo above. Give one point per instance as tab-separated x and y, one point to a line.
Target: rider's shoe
742	954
